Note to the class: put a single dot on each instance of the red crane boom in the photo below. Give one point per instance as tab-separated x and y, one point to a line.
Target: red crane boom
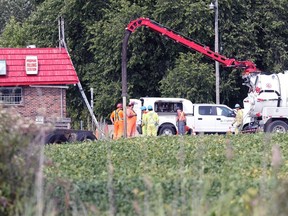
248	66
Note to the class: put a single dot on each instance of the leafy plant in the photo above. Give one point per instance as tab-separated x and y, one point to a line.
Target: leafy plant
19	162
198	175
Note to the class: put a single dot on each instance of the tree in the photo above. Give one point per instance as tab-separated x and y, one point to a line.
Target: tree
271	21
249	30
190	79
143	61
149	54
19	9
13	35
252	30
78	16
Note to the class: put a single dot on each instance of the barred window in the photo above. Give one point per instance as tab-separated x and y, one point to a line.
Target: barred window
11	95
162	106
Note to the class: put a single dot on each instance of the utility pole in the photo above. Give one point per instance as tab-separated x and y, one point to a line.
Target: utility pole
92	106
217	73
214	6
124	78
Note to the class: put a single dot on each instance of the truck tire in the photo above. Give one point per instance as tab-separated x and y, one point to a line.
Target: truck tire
245	128
277	127
55	138
139	129
167	130
85	136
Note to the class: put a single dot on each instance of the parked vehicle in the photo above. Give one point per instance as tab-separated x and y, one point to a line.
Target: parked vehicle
202	118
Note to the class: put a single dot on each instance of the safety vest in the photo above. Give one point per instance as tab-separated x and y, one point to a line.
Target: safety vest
181	117
151	118
117	116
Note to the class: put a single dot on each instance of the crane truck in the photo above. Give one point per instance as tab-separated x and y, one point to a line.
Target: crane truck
266	104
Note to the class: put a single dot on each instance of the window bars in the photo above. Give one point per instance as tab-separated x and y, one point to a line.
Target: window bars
11	96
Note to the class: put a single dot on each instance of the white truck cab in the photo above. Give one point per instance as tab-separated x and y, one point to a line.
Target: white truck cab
202	118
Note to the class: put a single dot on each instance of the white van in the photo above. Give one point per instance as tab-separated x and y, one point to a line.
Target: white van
202	118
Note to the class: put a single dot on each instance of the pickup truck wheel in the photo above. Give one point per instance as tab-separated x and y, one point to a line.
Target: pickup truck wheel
85	136
167	130
277	127
246	127
55	138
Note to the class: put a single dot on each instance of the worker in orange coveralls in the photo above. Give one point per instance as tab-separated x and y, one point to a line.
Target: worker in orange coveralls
131	120
117	118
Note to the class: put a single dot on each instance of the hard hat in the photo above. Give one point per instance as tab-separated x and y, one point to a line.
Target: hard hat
143	108
150	107
237	106
119	105
131	103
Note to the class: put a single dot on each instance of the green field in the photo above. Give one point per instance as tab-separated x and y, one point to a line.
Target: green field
194	175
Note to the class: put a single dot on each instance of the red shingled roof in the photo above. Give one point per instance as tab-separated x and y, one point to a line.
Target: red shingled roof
54	67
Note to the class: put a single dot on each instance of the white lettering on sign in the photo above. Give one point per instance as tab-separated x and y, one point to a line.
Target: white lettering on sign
31	65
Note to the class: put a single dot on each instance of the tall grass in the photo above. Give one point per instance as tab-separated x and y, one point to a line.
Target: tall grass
179	175
203	175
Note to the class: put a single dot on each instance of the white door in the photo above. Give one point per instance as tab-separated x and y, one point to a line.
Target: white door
224	119
204	120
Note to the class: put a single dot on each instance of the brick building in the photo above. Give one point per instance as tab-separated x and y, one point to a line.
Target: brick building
34	81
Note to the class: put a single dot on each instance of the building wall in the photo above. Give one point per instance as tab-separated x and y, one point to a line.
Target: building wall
44	102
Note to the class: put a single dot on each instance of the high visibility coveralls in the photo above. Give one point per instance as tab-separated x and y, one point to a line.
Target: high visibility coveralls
238	121
117	118
151	120
131	122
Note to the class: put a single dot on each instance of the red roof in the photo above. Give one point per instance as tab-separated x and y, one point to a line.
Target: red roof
54	67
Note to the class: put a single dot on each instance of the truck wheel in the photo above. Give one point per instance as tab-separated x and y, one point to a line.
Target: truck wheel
167	130
85	136
245	128
55	138
277	127
139	129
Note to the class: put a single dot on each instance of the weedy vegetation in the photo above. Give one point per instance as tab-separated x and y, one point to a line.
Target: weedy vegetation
242	174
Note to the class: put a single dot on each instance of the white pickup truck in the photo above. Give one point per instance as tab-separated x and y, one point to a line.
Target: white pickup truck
202	118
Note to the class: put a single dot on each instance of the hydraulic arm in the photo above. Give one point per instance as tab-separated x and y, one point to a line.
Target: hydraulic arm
248	66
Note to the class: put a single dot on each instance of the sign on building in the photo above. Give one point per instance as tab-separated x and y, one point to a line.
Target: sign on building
31	65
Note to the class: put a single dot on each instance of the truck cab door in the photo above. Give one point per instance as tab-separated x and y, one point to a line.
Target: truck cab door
224	119
204	119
